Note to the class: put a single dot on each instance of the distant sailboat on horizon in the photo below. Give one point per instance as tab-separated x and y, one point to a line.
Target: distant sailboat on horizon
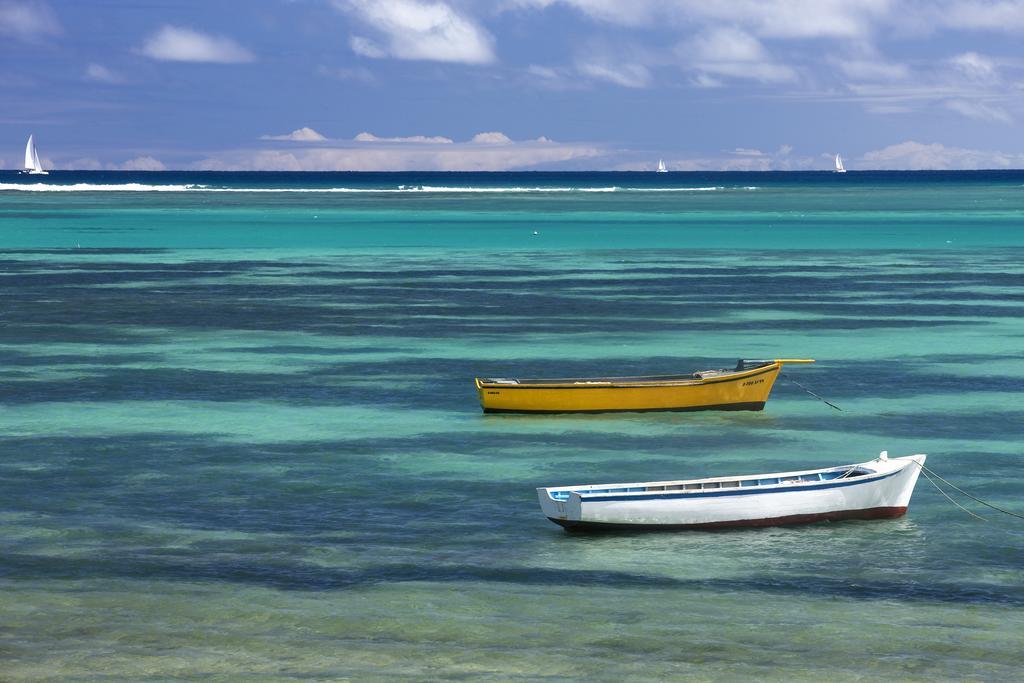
839	165
661	166
32	164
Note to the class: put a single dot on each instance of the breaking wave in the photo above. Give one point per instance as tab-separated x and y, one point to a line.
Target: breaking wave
90	187
401	189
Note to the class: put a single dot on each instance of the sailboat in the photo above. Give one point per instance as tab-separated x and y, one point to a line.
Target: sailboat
32	165
661	166
839	165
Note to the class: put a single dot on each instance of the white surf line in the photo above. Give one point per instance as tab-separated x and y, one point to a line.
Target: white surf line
419	189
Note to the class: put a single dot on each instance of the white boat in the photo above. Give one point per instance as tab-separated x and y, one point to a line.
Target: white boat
880	488
839	165
32	165
661	166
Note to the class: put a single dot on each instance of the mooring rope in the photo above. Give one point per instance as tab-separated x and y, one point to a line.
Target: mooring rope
790	379
924	470
937	488
928	471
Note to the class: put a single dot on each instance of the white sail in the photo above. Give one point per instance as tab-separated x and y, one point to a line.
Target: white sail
661	166
839	165
32	163
30	152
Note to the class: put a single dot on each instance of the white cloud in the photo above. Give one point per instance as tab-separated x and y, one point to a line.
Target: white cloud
922	92
625	74
851	21
625	12
706	81
407	156
27	19
419	139
491	138
556	78
419	30
304	134
733	53
728	45
143	163
796	18
180	44
968	84
738	159
765	18
915	156
366	47
730	162
101	74
974	109
985	15
820	49
543	72
975	67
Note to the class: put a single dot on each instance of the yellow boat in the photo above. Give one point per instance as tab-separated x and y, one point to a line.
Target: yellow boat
746	387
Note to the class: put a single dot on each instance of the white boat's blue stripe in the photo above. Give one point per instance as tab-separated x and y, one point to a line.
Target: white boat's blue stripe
738	491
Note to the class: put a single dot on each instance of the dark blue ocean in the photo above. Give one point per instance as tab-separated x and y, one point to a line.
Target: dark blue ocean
239	437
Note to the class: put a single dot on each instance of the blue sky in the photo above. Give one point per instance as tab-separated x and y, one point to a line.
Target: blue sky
512	84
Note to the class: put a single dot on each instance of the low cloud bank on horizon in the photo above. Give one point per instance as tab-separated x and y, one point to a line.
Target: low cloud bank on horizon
488	151
309	150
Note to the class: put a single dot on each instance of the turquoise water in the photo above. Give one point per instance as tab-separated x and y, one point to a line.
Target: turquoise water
239	438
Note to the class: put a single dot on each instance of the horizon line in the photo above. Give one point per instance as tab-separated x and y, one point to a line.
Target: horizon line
20	171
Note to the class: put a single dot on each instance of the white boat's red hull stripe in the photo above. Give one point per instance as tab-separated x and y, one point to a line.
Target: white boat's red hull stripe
839	515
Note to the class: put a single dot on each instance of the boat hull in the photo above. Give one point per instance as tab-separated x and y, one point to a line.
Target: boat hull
738	391
883	490
837	516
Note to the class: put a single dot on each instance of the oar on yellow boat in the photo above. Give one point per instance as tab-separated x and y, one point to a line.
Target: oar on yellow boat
743	364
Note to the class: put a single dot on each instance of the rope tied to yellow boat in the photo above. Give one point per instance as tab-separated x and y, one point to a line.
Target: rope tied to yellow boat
926	471
790	379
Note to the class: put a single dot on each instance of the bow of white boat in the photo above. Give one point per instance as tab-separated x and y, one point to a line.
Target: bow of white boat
907	469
